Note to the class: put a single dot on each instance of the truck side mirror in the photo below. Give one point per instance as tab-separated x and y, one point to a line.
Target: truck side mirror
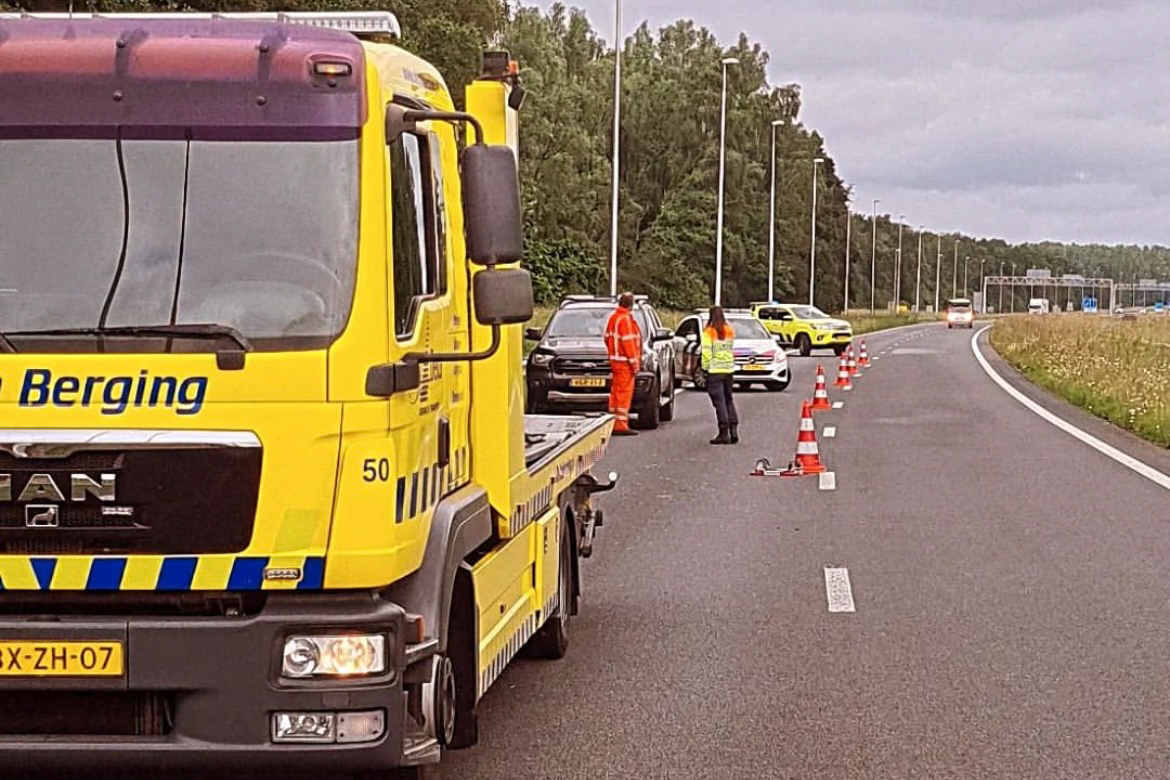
491	205
503	296
532	334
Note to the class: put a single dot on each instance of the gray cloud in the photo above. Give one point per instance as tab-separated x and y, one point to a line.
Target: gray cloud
1026	120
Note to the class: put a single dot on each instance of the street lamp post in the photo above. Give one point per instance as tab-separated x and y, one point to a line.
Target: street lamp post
983	282
617	115
999	306
937	273
918	283
1012	293
873	258
812	252
955	272
722	165
772	221
966	287
848	240
898	267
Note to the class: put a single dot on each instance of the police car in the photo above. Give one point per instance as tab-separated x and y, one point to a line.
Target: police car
758	358
804	327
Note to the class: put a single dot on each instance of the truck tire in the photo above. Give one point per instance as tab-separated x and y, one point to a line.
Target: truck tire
649	413
804	344
699	380
552	640
666	413
839	349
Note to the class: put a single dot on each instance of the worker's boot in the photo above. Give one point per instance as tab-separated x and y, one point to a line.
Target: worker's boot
734	433
723	437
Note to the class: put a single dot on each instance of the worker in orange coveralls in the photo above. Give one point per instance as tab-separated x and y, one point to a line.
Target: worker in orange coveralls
623	345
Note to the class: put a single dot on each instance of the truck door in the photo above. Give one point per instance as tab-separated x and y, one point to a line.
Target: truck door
421	304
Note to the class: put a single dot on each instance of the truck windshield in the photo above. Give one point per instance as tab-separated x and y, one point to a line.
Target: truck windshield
259	236
809	313
588	322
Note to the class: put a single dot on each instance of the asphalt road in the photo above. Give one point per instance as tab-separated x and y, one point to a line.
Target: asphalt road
1009	586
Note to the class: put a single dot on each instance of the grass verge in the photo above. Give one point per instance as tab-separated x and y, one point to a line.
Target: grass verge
864	323
1118	370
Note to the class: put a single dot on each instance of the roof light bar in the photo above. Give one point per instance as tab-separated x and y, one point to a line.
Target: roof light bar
360	23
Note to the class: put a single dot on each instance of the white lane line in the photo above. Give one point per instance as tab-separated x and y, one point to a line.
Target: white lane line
1130	462
838	591
828	480
838	404
830	432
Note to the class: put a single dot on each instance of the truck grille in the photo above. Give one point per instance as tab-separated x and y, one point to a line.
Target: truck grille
85	714
584	366
166	501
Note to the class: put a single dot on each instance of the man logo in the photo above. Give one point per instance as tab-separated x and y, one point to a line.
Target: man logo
40	516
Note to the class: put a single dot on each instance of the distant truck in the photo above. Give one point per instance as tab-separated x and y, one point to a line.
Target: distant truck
1038	306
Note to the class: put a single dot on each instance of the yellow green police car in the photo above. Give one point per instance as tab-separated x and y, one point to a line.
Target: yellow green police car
804	327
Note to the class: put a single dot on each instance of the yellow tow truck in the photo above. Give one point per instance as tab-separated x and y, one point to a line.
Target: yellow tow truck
268	498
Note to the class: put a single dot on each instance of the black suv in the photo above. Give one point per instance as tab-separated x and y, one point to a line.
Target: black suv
568	370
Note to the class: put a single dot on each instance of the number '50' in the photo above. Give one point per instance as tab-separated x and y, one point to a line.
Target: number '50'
376	469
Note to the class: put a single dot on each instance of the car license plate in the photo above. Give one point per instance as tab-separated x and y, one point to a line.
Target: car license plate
754	368
586	383
61	659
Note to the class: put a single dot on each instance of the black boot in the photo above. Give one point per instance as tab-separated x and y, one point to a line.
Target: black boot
734	431
723	437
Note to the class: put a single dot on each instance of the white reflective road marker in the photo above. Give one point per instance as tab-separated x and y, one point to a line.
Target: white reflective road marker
1130	462
838	404
838	590
828	480
830	432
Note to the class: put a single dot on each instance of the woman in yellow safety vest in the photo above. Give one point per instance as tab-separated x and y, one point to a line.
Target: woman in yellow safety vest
718	363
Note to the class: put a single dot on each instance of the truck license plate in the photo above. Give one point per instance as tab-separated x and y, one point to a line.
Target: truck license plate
61	659
586	383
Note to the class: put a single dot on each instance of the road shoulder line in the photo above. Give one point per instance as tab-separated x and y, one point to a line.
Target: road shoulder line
1108	450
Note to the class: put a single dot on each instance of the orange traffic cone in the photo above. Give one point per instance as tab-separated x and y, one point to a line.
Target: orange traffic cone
851	362
863	359
808	458
843	379
821	394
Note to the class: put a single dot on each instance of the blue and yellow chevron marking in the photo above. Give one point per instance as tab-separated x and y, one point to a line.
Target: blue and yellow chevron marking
162	573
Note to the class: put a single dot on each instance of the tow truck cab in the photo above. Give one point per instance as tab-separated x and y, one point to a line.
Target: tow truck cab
267	495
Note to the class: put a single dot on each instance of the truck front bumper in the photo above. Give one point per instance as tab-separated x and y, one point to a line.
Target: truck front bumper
201	693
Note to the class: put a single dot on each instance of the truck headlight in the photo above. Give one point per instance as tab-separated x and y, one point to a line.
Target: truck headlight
822	326
541	359
352	655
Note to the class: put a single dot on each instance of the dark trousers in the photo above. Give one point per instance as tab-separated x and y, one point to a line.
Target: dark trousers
719	390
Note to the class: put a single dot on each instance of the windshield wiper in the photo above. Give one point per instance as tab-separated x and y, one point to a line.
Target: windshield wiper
194	331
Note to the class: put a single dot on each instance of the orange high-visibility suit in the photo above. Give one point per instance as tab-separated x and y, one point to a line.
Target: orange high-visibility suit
623	345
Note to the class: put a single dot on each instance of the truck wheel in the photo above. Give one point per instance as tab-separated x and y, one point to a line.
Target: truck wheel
839	349
666	413
552	640
699	380
649	412
804	344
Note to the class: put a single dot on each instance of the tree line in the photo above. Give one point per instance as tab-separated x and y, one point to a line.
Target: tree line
669	164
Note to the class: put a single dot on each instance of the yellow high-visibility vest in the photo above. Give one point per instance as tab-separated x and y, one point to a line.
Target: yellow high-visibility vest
716	354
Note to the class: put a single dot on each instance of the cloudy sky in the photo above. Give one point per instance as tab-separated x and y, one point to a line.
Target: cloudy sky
1020	119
